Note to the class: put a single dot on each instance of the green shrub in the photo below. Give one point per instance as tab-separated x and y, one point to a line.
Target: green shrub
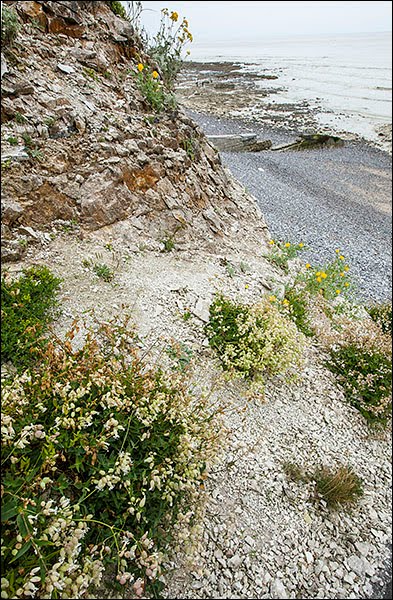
340	487
26	311
104	460
382	315
253	342
9	26
282	252
366	377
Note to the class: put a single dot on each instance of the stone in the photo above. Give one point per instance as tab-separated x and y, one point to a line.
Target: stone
11	211
4	66
65	68
277	589
356	564
201	310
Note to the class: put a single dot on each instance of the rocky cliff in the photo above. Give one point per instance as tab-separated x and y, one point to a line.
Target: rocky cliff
79	143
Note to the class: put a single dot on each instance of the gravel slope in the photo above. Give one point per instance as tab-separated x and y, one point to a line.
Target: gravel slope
328	198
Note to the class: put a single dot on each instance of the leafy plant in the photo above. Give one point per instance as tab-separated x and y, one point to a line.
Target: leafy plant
282	252
9	26
169	244
19	118
117	8
167	46
181	354
103	272
153	90
190	145
13	141
27	307
253	342
104	461
295	306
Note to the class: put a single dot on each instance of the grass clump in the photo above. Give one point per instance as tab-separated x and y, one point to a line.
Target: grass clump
26	310
338	487
104	461
253	342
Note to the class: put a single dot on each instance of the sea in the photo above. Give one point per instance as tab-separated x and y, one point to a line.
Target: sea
347	79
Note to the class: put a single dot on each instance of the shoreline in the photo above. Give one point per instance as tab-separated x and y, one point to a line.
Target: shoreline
235	90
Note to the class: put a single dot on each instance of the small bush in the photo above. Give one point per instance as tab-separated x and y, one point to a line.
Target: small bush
253	342
9	26
382	315
282	252
341	487
104	461
366	377
26	311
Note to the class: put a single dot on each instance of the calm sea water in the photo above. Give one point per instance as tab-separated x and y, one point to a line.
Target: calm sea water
348	78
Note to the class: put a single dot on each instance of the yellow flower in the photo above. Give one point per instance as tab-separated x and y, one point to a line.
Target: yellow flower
140	67
190	37
301	245
285	302
185	22
338	251
287	245
347	284
324	275
341	257
338	292
342	274
272	299
174	17
246	286
346	268
308	266
318	274
272	242
155	75
319	279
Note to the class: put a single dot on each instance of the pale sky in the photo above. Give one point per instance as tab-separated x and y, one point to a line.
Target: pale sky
250	20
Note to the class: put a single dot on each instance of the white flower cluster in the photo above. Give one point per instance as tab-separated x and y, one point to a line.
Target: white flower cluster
112	477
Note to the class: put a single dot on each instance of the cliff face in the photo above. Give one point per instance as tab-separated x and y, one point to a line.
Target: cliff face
79	143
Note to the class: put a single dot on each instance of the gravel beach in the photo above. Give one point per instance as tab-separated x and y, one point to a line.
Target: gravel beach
328	198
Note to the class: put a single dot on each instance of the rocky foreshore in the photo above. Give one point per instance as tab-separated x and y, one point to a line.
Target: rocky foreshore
238	91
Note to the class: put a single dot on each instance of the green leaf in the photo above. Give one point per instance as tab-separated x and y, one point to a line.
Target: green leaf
9	510
23	524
